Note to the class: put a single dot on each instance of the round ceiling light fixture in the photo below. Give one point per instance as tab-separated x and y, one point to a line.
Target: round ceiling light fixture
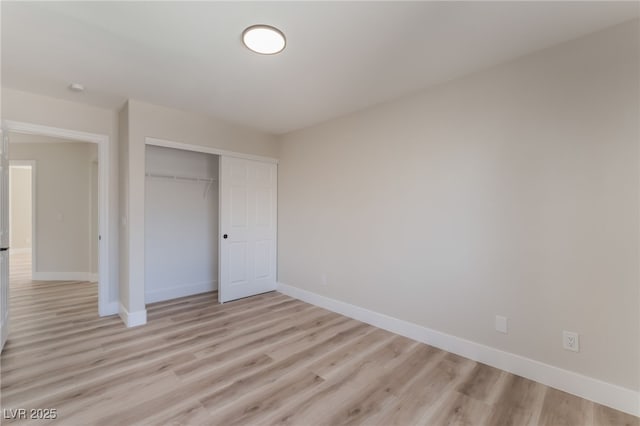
264	39
76	87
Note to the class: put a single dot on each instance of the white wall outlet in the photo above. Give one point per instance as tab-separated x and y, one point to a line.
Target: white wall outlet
501	324
571	341
324	279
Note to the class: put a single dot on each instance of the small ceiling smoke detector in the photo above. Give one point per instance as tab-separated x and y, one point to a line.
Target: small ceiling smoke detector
264	39
76	87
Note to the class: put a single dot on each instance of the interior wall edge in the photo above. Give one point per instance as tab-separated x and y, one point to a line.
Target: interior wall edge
132	319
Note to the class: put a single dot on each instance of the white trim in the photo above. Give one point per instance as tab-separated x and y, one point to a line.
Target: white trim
63	276
604	393
103	189
92	244
10	209
180	291
55	132
206	149
132	319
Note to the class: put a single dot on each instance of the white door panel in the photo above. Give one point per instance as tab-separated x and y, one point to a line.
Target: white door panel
4	191
248	217
4	238
261	259
238	264
4	298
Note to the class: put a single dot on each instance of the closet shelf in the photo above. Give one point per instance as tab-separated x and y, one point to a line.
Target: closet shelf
178	177
208	181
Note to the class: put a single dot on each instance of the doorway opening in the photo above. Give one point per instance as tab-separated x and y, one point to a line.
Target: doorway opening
53	214
181	223
95	224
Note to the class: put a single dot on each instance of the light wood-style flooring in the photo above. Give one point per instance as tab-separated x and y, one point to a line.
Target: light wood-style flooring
264	360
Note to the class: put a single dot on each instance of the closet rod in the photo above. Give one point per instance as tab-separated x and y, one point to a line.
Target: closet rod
177	177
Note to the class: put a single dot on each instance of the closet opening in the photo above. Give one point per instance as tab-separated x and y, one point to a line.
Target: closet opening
181	223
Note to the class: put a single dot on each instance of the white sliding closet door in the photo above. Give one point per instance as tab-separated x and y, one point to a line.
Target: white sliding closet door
248	225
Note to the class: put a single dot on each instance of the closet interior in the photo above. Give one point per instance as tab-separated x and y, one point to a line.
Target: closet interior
181	223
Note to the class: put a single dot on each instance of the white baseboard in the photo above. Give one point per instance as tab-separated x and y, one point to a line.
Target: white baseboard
133	319
63	276
152	296
93	277
604	393
112	308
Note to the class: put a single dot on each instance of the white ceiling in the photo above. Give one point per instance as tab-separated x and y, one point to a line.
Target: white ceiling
340	56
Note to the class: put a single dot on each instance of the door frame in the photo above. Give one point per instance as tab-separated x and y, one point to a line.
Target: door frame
215	151
206	149
32	164
104	245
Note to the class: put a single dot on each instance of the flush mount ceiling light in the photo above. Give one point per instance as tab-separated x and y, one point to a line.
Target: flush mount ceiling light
76	87
264	39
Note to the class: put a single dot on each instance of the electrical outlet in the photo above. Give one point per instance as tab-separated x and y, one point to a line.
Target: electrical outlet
501	324
571	341
324	279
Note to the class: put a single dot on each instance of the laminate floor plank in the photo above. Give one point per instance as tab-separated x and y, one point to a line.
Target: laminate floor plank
252	406
147	389
272	372
422	394
86	394
605	416
519	402
560	408
189	413
460	410
481	383
138	335
263	360
381	394
334	361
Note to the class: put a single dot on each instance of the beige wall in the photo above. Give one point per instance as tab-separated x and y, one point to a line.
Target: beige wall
47	111
63	203
513	191
20	232
147	120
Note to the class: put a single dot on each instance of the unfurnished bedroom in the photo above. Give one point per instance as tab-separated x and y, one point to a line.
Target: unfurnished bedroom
320	213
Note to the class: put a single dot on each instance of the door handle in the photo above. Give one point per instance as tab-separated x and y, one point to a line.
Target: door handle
225	236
